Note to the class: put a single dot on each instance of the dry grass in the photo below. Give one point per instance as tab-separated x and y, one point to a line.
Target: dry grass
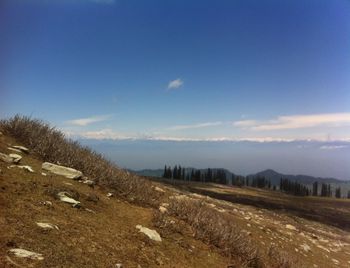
207	224
52	145
216	229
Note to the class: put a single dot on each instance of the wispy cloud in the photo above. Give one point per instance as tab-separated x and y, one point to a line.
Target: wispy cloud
200	125
174	84
333	147
88	120
297	121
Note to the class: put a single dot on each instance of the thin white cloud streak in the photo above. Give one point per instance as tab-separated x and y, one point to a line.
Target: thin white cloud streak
88	120
200	125
333	147
174	84
297	122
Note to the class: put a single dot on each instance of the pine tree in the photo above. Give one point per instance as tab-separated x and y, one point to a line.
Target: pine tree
337	192
165	172
315	188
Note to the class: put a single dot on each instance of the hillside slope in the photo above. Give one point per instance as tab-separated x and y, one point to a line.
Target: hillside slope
101	233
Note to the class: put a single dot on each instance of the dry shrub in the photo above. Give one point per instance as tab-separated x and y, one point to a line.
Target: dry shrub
216	229
53	146
279	259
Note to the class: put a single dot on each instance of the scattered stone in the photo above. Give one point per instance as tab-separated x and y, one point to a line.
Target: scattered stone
158	189
305	247
247	218
119	265
90	210
1	133
335	261
91	183
322	247
291	227
67	172
15	158
44	174
64	198
220	210
166	205
26	168
68	183
21	148
23	253
163	209
47	203
248	224
152	234
45	225
6	158
109	195
14	150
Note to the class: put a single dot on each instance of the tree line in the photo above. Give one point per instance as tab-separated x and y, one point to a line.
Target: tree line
220	176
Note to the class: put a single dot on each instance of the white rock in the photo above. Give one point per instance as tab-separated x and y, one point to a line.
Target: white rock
291	227
158	189
6	158
21	148
64	198
109	195
67	172
305	247
26	168
15	158
45	225
152	234
166	205
47	203
163	209
89	182
14	150
119	265
44	174
23	253
335	261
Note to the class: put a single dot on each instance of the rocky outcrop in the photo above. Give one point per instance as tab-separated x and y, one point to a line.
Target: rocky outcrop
67	172
152	234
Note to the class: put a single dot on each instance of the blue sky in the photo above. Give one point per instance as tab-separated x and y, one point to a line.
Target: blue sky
179	70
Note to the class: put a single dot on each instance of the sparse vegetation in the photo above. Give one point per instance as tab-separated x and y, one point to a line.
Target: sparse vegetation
52	145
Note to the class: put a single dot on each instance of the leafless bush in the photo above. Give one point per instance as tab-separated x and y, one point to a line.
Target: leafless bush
53	146
217	229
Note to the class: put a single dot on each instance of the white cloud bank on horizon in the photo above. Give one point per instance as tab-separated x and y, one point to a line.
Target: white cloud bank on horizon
296	122
174	84
110	134
199	125
88	120
333	147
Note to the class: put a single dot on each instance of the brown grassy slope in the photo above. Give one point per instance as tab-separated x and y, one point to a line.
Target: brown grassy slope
84	239
315	242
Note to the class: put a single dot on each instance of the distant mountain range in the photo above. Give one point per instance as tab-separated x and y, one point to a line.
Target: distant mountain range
269	174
